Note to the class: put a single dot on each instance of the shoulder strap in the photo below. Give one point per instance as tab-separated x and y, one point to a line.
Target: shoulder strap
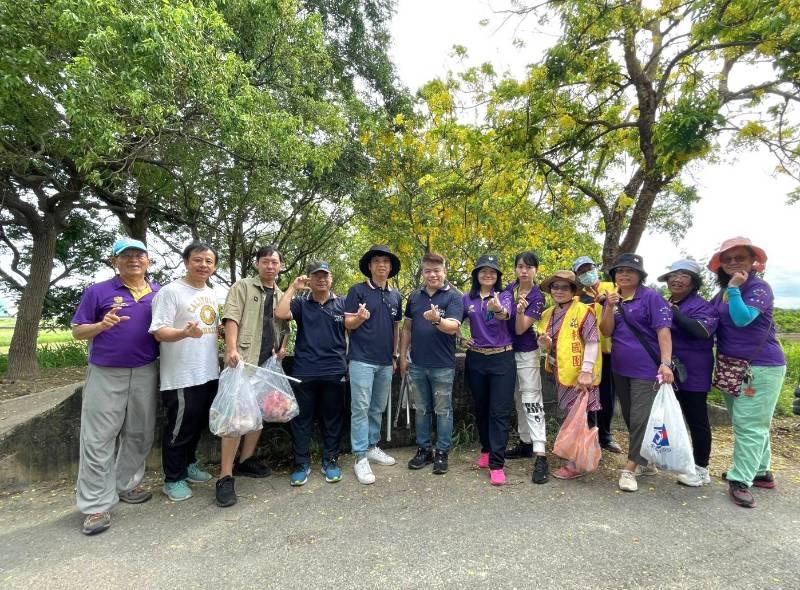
639	337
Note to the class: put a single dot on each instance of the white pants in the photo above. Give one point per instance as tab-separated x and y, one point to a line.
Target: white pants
528	400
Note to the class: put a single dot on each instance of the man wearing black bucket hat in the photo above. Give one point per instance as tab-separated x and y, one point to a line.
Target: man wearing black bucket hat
373	313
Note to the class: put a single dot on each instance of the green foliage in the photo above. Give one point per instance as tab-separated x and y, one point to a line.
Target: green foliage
62	354
787	321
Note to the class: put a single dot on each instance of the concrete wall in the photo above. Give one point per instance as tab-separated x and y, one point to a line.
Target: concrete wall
39	434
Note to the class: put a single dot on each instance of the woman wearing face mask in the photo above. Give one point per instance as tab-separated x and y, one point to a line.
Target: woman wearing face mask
638	320
592	291
694	321
750	362
490	369
529	304
568	336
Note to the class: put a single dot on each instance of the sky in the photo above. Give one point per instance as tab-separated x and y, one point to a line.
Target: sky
739	197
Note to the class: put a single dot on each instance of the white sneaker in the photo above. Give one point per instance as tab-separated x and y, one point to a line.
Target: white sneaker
648	469
376	455
699	478
364	472
627	481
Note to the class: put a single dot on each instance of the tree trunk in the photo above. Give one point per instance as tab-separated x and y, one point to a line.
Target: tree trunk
641	213
22	362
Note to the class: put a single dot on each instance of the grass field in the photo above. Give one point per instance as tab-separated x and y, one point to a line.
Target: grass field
45	336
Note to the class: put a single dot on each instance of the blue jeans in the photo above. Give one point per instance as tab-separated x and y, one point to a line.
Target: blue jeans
370	386
433	393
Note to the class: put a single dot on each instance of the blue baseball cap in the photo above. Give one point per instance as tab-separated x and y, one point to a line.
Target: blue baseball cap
125	244
580	261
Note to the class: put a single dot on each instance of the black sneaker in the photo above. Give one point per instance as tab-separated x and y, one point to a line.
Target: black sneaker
740	494
421	459
251	467
521	451
226	495
440	462
540	470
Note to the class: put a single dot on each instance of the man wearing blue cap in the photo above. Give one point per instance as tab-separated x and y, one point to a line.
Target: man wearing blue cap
593	292
320	364
118	413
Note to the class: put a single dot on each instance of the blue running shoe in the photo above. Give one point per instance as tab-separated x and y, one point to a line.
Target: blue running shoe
331	470
196	475
300	474
177	491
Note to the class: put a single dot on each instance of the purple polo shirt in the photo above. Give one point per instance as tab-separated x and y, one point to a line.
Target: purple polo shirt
695	353
129	344
491	333
526	342
647	311
744	342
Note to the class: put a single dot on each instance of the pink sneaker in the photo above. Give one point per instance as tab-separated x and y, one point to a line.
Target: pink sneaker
567	473
498	477
483	461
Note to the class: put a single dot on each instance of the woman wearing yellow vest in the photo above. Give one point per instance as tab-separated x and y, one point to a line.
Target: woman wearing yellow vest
568	335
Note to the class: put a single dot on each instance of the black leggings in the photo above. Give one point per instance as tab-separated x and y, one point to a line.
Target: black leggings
695	410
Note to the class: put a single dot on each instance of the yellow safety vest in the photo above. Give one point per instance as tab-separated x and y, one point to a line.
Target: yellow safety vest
603	287
569	344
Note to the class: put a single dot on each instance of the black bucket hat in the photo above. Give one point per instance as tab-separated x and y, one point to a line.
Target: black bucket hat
378	250
488	261
628	260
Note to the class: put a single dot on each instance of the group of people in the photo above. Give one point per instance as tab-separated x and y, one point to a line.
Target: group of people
599	339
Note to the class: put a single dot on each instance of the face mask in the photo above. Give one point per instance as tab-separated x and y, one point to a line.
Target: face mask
589	278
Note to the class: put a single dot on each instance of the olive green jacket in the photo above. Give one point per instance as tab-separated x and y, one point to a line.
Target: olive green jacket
245	306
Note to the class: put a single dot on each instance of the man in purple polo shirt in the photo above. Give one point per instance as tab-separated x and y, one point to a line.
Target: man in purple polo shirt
119	398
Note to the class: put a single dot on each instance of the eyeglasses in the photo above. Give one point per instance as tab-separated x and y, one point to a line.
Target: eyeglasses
130	255
560	287
729	259
679	275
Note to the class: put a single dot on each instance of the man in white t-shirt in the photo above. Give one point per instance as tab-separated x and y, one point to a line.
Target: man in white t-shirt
185	323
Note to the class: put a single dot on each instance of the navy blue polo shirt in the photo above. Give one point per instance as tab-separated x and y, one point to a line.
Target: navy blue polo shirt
319	348
373	341
431	348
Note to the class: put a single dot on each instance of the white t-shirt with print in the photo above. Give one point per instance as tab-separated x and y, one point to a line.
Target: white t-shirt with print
191	361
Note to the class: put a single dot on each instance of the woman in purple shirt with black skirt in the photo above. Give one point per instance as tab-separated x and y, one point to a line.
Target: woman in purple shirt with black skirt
638	319
490	368
694	321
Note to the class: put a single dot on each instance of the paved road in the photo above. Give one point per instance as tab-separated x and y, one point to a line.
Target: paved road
413	530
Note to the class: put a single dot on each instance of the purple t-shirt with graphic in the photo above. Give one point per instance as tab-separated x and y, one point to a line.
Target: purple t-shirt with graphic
755	342
491	332
695	353
647	311
525	342
129	344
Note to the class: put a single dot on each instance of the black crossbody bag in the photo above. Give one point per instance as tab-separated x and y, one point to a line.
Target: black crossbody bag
678	368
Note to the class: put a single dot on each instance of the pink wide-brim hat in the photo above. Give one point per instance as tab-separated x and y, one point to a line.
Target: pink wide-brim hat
761	256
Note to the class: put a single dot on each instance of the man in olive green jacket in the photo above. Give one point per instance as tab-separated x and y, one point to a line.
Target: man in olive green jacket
252	335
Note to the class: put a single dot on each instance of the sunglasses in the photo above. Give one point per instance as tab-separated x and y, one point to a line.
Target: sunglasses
729	259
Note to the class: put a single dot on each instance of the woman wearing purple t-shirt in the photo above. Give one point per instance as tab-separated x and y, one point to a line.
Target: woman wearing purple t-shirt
750	362
638	320
694	321
490	369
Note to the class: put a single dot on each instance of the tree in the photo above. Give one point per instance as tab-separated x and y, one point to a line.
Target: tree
634	93
454	188
112	103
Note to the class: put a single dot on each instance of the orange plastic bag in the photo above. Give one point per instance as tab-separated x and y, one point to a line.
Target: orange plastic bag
577	442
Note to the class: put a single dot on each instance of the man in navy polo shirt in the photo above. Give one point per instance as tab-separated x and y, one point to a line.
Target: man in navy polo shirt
320	364
433	318
372	314
118	413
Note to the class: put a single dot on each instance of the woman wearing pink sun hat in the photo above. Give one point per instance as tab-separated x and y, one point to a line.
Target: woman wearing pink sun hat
750	363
